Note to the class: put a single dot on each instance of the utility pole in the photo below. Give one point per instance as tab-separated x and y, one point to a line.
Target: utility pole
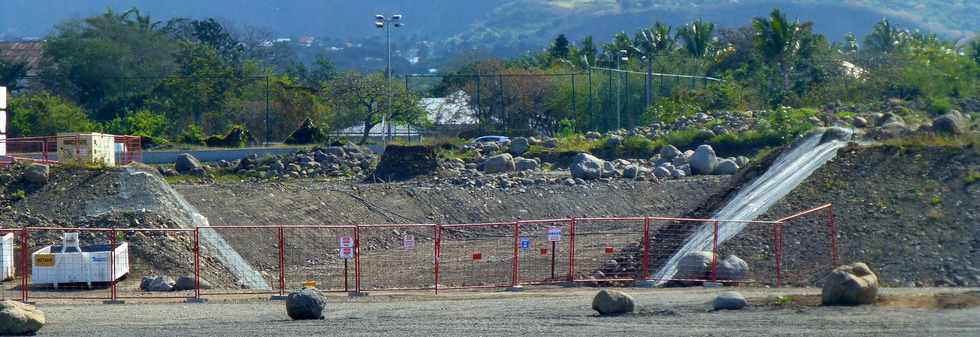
379	21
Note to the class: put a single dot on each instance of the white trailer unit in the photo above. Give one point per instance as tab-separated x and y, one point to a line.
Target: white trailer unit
7	257
72	263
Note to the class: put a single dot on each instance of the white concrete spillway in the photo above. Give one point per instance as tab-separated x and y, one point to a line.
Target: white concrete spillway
785	174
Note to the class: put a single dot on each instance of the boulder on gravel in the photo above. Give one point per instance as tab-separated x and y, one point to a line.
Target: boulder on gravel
188	283
519	146
37	173
157	283
852	284
726	167
305	304
499	164
612	303
730	301
526	164
19	319
694	266
704	160
586	166
187	163
661	172
953	123
669	152
631	171
732	268
609	170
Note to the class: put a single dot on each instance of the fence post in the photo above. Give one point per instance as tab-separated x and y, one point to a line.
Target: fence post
834	257
282	261
112	265
357	259
714	252
515	273
197	263
24	262
571	250
437	252
778	240
645	269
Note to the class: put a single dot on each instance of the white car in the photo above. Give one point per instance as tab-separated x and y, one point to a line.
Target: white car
491	139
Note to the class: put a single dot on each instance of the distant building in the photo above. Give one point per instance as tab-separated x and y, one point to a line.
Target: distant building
452	110
306	41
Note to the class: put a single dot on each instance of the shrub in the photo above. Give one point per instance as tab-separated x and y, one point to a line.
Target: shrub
143	123
668	110
45	115
192	135
939	106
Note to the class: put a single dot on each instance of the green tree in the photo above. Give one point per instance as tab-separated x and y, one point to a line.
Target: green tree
885	38
697	37
106	63
10	72
201	86
45	115
559	48
779	40
360	99
586	53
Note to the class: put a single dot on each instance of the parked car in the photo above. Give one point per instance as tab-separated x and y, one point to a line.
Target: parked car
491	139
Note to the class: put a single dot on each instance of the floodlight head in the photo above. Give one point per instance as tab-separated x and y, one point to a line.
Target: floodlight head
379	17
379	24
396	17
625	59
622	52
398	24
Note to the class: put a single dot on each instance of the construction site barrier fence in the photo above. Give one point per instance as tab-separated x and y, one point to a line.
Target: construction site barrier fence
114	264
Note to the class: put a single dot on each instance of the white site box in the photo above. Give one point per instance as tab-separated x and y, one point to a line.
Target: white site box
87	148
7	257
72	263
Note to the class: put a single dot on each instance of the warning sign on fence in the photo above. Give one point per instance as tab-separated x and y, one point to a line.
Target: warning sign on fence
346	253
554	234
409	242
346	242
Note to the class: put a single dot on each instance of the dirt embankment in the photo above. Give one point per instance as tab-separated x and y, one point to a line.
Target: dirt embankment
911	214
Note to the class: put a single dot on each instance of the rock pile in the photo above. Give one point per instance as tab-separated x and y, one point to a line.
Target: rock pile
333	161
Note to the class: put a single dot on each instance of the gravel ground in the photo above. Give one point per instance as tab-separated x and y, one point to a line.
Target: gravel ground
564	312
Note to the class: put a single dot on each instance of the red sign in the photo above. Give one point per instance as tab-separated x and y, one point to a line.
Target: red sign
346	242
610	250
544	251
477	256
346	253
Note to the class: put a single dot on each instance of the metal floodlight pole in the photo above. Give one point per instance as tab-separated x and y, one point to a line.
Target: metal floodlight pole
380	22
622	57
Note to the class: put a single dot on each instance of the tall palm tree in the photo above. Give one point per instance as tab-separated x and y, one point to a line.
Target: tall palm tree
697	38
778	40
650	43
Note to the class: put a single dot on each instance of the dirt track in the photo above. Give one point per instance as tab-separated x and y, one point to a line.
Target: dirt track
565	312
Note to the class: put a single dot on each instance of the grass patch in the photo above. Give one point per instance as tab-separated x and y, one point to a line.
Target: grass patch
923	141
972	177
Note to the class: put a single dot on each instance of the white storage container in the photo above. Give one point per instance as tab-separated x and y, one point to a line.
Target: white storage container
7	257
73	263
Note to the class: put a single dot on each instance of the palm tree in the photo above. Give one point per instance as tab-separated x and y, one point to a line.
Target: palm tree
696	37
778	40
885	38
651	43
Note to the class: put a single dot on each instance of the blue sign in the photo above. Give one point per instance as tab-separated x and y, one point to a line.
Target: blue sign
525	242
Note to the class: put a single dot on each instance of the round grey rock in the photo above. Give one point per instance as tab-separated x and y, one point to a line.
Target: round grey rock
586	166
186	163
730	301
733	268
525	164
160	283
499	164
305	304
519	146
612	303
37	173
726	167
704	160
669	152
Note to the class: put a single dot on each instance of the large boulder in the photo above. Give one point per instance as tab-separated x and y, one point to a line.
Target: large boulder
526	164
694	266
953	123
187	163
586	166
20	319
37	173
726	167
161	283
661	172
519	146
669	152
612	302
730	301
631	171
188	283
852	284
704	160
305	304
499	164
732	268
614	141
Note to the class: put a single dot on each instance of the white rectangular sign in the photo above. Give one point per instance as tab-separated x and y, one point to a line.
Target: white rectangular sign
346	253
346	242
409	242
3	145
3	98
554	234
3	122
